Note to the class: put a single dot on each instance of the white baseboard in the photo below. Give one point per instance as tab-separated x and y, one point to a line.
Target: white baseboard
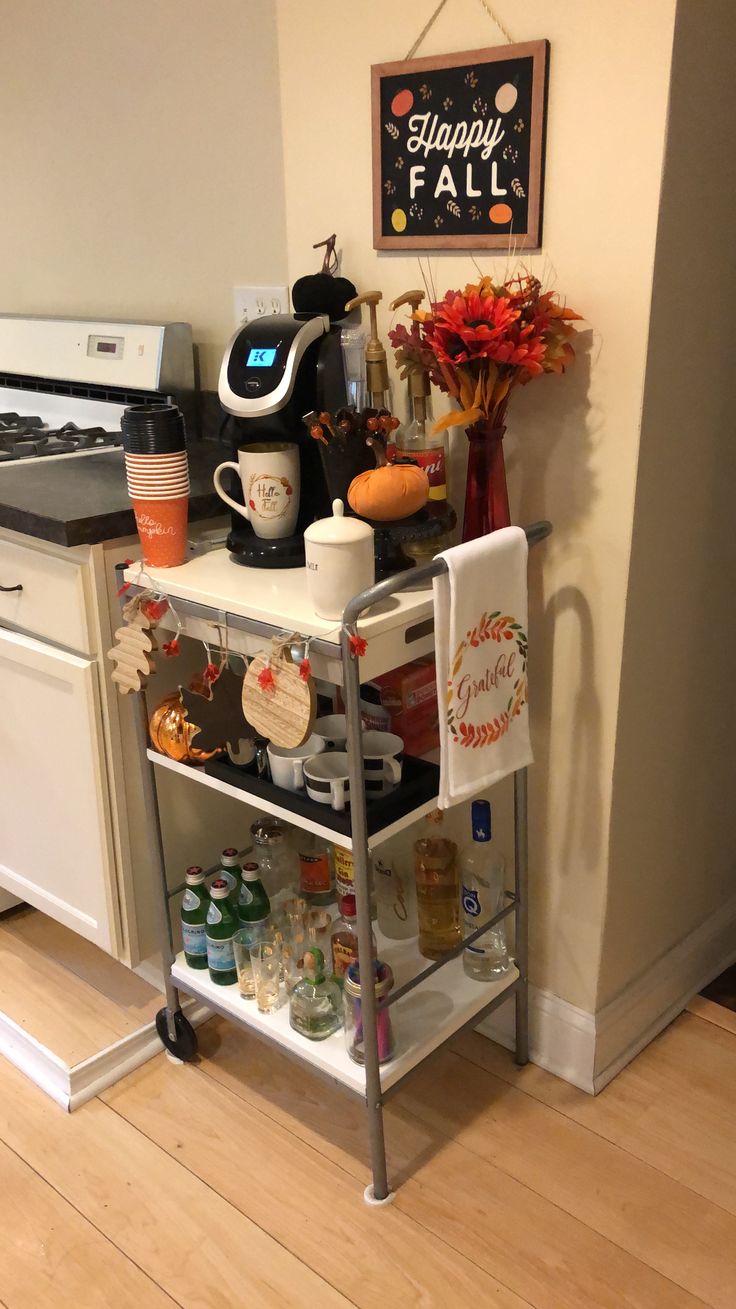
71	1086
651	1001
561	1036
38	1063
587	1049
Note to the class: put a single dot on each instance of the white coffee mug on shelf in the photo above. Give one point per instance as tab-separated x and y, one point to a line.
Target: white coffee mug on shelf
332	729
381	767
269	473
287	766
326	779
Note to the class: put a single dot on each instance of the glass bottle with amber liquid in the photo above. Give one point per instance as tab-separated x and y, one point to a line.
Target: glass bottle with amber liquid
438	890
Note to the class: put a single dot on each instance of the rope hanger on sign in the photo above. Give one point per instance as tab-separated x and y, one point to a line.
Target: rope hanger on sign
431	21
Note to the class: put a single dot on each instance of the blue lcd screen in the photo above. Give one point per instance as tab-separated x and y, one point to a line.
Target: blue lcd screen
260	358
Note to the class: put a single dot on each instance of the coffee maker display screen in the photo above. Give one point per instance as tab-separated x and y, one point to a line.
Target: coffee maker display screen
260	358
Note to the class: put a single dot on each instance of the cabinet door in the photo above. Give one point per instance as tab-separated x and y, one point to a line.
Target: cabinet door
55	848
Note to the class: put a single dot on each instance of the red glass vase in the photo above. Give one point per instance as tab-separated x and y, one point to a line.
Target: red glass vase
486	496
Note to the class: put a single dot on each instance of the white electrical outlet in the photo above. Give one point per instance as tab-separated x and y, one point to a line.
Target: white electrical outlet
251	302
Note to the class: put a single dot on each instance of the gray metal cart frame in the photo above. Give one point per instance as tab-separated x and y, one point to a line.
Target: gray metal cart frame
173	1027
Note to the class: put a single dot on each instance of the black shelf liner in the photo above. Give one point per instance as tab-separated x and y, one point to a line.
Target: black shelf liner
419	784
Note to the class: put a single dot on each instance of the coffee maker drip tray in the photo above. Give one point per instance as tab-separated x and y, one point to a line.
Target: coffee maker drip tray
258	552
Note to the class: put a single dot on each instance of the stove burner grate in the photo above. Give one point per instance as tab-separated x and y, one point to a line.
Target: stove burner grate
24	437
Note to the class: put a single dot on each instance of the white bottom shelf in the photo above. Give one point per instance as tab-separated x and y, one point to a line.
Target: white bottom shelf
421	1021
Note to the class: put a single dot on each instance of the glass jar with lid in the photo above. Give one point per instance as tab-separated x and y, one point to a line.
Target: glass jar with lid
383	980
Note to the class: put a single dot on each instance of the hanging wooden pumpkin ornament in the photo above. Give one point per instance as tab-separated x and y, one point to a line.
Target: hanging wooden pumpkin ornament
278	701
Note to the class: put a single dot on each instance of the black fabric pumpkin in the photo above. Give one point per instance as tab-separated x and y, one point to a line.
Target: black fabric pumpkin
323	293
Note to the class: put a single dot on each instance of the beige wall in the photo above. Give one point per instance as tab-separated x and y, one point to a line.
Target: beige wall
573	444
673	826
140	160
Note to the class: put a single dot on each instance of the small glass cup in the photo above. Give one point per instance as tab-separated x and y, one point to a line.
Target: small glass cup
265	958
243	939
318	926
293	910
292	960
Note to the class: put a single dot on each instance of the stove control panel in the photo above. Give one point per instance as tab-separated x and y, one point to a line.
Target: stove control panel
136	356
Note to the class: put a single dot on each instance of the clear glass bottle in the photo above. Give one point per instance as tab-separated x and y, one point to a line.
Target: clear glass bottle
345	877
353	1013
344	937
315	1006
276	859
429	449
230	871
316	869
438	890
194	906
396	893
482	868
222	924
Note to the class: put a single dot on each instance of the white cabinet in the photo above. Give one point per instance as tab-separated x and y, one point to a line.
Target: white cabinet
55	846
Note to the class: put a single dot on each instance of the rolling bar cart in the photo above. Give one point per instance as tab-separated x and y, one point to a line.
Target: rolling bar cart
209	593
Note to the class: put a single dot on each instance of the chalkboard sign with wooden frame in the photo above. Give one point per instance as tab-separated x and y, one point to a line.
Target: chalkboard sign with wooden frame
458	149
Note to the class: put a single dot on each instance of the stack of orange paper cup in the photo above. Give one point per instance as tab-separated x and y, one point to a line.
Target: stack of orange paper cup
157	470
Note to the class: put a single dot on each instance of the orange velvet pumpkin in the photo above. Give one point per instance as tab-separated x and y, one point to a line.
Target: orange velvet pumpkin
389	492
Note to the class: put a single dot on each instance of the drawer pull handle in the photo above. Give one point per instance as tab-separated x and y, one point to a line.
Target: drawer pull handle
11	588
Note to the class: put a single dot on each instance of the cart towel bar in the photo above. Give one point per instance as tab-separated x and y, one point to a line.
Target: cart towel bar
535	533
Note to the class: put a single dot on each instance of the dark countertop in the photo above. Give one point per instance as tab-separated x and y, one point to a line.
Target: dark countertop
84	500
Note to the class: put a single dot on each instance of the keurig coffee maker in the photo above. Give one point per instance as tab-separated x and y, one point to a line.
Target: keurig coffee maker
276	369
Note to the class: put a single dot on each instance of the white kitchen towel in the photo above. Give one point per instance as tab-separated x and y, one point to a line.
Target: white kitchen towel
480	618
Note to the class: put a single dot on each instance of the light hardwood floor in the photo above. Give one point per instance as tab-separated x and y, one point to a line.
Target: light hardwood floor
68	994
238	1182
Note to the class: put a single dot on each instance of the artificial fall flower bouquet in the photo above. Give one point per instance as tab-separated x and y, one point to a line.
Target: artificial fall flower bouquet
478	344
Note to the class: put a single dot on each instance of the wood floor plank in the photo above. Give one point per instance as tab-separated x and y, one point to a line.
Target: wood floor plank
51	1256
63	1013
655	1218
712	1012
545	1255
314	1209
193	1244
136	997
673	1107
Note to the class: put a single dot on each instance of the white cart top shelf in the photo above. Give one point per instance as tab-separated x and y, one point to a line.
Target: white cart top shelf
273	595
397	630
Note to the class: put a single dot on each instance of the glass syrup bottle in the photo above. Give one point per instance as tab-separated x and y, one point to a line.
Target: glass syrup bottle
438	890
429	449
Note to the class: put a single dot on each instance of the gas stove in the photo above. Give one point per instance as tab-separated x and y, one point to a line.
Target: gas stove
26	436
64	383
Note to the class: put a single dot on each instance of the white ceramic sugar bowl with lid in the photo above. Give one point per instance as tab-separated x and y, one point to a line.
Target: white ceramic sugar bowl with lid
340	561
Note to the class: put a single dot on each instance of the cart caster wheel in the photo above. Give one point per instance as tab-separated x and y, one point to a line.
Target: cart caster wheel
184	1045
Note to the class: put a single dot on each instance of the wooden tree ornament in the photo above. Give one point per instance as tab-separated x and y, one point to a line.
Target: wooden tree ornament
278	701
133	650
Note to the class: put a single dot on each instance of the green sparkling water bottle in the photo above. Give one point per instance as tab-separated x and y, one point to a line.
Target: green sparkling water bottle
222	924
194	908
231	872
